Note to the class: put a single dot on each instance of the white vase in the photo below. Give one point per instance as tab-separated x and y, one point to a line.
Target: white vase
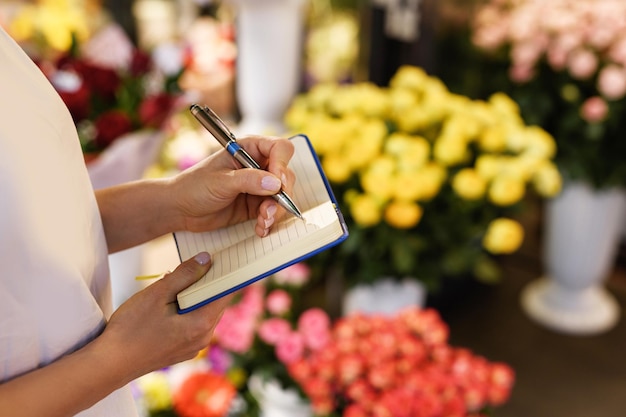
385	296
275	401
269	42
125	160
581	235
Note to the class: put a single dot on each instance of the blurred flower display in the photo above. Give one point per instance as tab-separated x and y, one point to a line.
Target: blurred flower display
332	43
195	388
267	329
566	67
50	26
358	365
399	366
112	88
429	181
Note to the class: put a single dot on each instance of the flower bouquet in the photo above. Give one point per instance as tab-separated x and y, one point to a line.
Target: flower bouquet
399	366
429	181
111	94
566	67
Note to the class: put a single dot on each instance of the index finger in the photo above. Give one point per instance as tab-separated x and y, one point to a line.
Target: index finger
272	153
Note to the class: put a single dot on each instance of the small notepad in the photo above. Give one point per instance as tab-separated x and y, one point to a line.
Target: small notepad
240	257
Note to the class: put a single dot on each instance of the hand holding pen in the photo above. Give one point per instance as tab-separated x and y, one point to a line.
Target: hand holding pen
227	139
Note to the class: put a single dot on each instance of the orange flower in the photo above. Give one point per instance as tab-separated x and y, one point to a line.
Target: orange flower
204	394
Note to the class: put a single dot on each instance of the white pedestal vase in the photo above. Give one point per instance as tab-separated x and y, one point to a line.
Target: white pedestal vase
275	401
582	231
269	58
125	160
386	296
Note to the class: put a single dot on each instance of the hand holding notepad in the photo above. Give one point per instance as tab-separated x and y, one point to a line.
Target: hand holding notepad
240	257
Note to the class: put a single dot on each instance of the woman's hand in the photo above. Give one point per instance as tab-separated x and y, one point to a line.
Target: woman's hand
150	332
216	192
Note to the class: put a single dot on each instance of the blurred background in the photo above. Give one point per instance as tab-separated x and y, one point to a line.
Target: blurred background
475	148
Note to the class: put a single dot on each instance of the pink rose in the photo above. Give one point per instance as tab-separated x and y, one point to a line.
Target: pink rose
618	51
521	73
253	300
594	110
235	331
274	330
296	274
526	54
278	302
612	82
314	325
557	57
582	64
290	349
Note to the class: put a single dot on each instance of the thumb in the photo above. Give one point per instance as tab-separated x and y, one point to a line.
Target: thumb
187	273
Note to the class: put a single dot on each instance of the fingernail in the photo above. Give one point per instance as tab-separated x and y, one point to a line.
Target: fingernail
271	210
268	222
202	258
270	183
283	178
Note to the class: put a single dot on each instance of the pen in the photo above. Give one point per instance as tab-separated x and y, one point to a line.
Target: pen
226	138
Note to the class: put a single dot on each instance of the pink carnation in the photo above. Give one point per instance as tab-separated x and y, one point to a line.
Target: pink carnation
235	331
290	348
273	330
278	302
314	325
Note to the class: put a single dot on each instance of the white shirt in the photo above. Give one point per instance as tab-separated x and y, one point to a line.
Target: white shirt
54	279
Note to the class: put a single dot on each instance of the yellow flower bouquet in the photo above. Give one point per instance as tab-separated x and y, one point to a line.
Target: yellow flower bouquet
429	181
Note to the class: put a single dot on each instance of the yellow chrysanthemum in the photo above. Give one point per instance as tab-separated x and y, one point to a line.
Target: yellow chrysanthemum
503	236
503	104
336	168
522	167
493	139
450	150
411	152
401	100
378	183
403	214
547	180
408	186
372	101
468	184
506	190
320	95
409	77
365	210
431	176
489	166
298	114
540	143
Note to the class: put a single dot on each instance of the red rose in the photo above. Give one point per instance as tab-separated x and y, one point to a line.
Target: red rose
140	63
153	111
102	81
110	126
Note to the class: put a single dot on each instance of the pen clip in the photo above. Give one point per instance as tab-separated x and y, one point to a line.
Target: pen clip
219	123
